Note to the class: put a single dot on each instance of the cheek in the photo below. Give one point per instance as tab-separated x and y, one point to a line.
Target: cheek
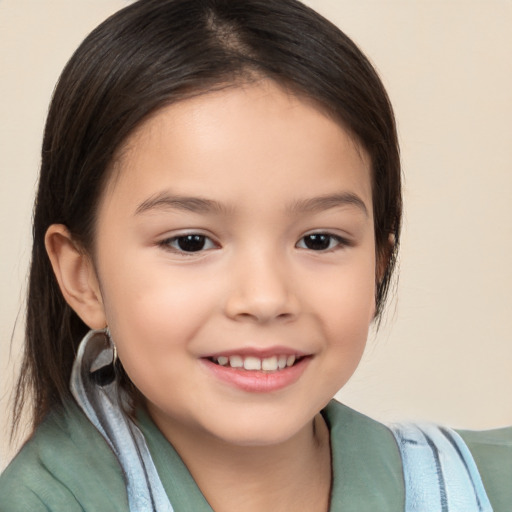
348	308
153	315
348	295
152	330
145	292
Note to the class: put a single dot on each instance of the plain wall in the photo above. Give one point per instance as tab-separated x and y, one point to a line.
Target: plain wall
445	351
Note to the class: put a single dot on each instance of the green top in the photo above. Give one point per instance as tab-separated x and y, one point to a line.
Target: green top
68	467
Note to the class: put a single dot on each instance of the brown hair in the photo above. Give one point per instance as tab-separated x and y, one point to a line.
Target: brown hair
156	52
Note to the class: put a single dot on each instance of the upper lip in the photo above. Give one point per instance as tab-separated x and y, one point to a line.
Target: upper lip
261	353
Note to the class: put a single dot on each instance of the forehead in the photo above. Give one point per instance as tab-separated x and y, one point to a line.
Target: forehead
254	140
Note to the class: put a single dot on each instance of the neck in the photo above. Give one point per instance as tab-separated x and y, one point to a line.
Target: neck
292	475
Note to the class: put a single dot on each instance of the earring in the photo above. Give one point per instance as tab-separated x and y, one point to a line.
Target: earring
96	358
112	344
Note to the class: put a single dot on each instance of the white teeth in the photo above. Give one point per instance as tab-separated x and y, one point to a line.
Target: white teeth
252	363
269	363
236	362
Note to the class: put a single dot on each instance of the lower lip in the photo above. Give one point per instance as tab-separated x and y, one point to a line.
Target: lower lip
255	381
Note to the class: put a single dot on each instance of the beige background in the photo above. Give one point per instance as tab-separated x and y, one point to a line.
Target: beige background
445	353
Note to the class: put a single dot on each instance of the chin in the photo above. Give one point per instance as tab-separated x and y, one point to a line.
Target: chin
257	437
261	430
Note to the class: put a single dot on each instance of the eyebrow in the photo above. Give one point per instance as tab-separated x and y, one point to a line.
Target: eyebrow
165	201
317	204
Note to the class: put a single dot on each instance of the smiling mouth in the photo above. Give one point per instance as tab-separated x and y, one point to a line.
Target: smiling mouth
252	363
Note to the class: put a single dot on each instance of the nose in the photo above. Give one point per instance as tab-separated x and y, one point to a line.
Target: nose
262	290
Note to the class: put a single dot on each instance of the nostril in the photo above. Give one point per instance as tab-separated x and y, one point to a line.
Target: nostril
261	300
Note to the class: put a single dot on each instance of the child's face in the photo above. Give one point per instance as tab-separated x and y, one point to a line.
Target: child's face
238	224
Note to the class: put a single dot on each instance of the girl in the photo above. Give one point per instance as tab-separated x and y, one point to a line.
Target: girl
216	226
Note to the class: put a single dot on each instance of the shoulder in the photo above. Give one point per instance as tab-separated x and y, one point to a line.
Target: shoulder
364	447
363	450
65	466
355	429
492	452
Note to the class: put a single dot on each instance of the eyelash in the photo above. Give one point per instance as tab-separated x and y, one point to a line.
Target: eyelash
192	238
340	242
173	243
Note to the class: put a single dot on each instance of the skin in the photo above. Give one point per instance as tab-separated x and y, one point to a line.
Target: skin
268	159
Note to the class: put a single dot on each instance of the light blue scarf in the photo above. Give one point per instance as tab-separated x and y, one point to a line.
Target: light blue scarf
104	405
440	474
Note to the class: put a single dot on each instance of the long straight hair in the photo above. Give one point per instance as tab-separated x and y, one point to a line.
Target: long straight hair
157	52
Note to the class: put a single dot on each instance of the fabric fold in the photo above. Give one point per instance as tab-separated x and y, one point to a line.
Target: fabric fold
440	474
104	403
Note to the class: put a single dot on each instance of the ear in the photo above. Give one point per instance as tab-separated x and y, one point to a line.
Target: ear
76	276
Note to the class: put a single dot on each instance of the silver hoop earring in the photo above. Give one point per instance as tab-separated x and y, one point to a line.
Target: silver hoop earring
112	344
96	358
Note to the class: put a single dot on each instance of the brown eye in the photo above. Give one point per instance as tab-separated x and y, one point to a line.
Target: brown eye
189	243
319	242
